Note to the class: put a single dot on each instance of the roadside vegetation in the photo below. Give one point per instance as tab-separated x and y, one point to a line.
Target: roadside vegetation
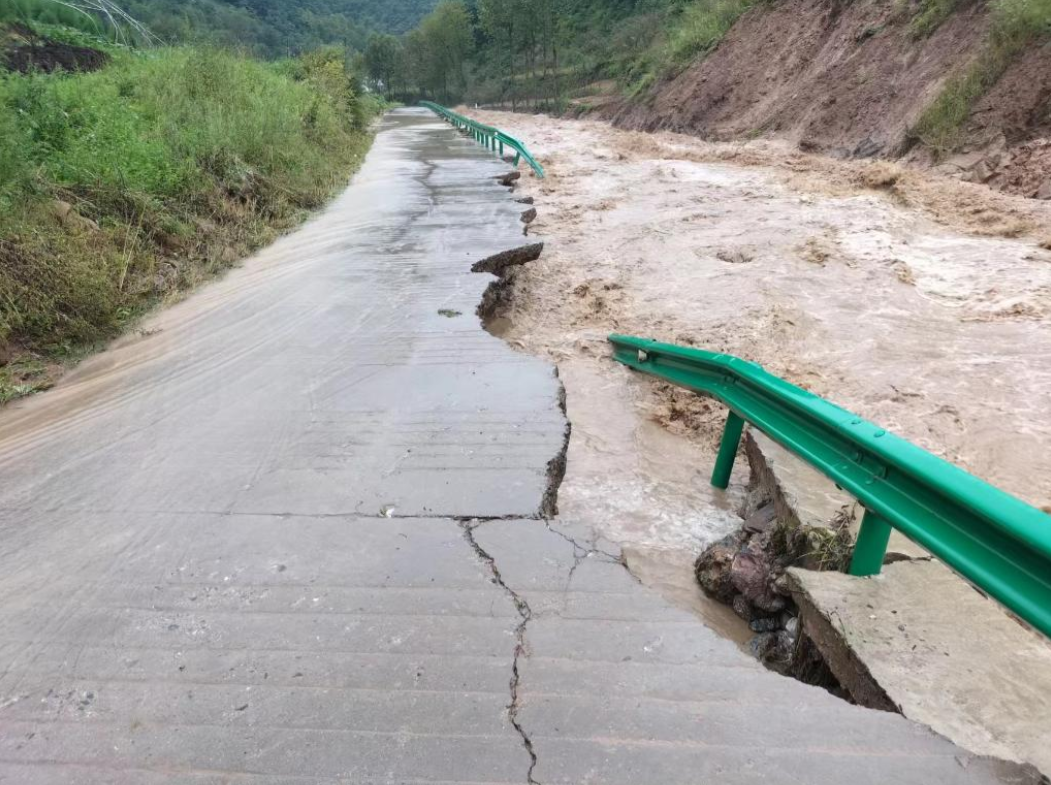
128	175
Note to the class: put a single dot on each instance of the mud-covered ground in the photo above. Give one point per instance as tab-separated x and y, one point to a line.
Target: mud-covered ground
921	303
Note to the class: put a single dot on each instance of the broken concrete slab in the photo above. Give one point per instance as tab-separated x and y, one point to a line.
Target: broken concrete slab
498	263
647	695
918	639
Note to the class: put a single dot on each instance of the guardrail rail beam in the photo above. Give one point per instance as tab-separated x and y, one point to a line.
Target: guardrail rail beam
487	136
994	540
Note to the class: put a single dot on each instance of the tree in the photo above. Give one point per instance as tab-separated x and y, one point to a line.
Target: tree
503	21
447	39
382	58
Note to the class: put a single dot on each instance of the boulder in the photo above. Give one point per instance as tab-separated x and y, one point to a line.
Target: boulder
751	574
712	567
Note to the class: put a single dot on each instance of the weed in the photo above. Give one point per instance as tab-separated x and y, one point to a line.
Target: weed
700	27
931	15
123	186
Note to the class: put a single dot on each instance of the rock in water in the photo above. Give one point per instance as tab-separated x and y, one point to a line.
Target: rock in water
750	574
509	178
712	567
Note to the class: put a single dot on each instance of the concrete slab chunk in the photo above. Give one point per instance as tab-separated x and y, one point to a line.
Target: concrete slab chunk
943	654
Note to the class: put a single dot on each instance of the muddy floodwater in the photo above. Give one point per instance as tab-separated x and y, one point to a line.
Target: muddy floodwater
925	319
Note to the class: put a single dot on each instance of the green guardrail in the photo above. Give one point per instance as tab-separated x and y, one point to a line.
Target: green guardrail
491	138
994	540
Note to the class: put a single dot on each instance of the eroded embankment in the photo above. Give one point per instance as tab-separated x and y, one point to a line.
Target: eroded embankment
939	332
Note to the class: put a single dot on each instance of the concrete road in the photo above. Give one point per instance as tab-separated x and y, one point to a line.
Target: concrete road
292	532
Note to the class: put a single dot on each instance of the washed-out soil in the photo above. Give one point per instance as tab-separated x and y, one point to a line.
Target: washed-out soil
25	52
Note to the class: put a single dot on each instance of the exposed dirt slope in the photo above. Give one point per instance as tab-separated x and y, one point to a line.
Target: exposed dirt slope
24	51
851	79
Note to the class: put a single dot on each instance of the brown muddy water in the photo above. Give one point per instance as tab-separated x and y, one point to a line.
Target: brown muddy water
910	317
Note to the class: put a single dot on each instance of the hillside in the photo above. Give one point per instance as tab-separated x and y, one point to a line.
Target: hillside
268	28
962	85
856	80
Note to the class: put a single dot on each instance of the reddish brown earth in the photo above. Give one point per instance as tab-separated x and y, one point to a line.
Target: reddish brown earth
850	80
24	51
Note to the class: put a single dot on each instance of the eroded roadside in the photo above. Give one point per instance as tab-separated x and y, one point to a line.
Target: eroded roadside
932	321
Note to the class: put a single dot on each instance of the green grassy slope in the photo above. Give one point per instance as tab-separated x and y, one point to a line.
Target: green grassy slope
126	186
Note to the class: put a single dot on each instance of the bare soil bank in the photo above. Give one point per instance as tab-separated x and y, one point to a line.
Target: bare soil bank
851	80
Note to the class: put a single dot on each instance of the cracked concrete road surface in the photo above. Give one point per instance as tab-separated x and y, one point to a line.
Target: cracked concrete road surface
293	532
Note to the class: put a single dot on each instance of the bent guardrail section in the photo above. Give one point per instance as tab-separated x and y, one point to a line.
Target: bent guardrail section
491	138
998	542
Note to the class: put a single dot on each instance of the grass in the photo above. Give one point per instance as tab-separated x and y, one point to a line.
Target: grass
48	12
123	187
930	16
700	27
1016	25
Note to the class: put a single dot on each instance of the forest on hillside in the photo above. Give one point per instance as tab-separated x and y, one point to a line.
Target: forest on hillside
266	28
508	51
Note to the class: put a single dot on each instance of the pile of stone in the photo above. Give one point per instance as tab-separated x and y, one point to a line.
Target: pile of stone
746	570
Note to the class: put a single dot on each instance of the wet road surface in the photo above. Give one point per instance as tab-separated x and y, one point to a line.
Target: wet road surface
292	532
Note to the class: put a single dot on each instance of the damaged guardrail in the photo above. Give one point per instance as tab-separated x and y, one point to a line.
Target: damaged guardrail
997	542
491	138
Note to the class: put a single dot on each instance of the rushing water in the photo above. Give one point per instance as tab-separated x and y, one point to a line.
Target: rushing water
941	336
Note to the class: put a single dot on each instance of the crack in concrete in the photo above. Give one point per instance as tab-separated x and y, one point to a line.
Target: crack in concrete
585	549
556	467
526	614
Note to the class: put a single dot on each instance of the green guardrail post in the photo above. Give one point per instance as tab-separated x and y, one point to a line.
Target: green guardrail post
994	540
871	545
724	461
